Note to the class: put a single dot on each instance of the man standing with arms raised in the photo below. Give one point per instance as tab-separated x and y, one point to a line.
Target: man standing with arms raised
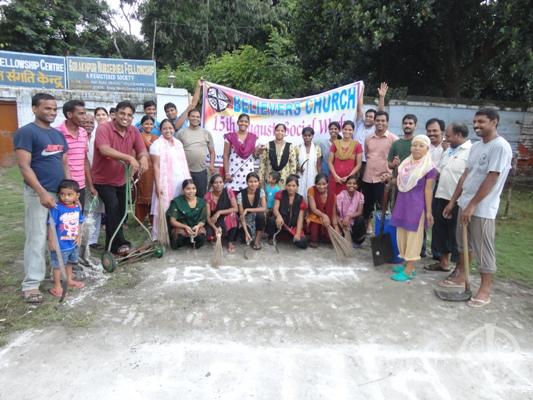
478	196
116	141
197	142
41	153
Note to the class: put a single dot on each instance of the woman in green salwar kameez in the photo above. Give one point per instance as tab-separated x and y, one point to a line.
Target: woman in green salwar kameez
187	216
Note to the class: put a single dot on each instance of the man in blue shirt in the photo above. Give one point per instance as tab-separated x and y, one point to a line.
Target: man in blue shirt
41	154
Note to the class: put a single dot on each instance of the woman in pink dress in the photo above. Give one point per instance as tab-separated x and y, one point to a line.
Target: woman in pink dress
170	169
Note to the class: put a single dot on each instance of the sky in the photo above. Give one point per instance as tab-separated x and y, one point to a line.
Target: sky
121	21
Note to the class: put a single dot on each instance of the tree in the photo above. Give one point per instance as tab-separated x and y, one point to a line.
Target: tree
191	30
446	48
55	27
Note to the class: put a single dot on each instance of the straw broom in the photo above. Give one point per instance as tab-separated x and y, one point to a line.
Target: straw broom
217	257
162	227
342	247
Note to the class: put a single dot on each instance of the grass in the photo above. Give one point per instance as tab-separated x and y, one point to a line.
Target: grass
15	314
514	238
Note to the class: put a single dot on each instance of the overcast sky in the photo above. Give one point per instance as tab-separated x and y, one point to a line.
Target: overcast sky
121	21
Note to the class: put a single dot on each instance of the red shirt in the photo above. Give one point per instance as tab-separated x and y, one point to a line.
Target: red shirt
105	170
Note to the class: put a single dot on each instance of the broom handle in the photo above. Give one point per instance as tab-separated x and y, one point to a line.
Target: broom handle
384	208
466	260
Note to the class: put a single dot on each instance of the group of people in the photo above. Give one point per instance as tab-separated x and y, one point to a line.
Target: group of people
299	193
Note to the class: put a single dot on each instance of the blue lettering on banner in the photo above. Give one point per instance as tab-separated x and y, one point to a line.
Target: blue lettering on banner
236	104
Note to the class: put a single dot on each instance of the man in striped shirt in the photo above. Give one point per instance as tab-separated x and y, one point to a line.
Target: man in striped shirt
77	139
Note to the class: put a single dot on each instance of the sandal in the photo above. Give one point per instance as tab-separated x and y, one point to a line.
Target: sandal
436	267
32	296
477	303
448	283
257	246
231	248
76	285
123	250
55	292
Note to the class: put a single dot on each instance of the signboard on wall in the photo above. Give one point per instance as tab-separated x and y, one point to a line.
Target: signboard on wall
32	70
117	75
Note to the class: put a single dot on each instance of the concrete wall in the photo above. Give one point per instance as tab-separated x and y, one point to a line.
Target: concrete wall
525	146
510	123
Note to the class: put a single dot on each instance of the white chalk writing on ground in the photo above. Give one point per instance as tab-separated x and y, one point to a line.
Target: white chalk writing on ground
230	274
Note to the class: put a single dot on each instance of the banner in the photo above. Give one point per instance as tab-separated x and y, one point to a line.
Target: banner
109	74
32	70
222	106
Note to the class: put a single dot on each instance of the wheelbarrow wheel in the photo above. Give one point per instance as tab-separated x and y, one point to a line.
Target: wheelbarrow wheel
108	261
159	252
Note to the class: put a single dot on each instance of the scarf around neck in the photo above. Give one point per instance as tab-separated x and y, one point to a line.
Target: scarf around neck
273	156
243	149
345	153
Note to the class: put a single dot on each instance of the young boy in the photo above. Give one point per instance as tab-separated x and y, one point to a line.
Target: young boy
67	219
271	188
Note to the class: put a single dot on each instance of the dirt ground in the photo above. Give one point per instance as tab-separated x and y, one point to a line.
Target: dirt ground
294	325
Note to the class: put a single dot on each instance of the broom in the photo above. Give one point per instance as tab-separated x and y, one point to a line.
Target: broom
217	257
162	227
342	247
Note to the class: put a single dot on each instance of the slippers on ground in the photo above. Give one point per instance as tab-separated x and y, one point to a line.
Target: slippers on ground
436	267
76	285
257	246
477	303
32	296
448	283
123	250
55	292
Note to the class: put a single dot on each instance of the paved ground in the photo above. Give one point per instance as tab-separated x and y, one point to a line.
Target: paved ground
278	326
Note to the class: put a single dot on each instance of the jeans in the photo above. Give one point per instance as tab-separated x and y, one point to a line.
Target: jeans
114	198
35	217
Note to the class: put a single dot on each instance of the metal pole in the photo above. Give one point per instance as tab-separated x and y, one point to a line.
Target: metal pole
153	40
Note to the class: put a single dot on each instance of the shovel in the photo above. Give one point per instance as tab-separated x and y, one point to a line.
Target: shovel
447	295
381	244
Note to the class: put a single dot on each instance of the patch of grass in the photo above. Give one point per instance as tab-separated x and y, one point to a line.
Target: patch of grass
514	238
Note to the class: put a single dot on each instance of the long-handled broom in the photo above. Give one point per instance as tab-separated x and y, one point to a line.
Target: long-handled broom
217	257
162	227
342	247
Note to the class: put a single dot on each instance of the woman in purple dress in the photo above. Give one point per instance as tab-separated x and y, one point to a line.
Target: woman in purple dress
412	211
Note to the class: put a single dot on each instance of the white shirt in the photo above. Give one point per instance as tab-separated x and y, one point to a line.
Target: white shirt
361	133
436	153
494	156
451	167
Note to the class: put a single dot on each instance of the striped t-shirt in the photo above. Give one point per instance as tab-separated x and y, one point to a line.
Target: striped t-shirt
77	150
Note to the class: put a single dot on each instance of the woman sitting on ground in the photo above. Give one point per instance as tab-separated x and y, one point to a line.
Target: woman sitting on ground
322	211
350	211
221	211
252	208
187	216
412	211
289	210
345	158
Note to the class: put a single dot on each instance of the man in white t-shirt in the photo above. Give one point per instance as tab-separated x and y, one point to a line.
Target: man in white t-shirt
451	167
435	132
478	197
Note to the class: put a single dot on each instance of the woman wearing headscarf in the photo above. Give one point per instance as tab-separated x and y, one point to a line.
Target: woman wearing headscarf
412	211
309	161
280	156
170	170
